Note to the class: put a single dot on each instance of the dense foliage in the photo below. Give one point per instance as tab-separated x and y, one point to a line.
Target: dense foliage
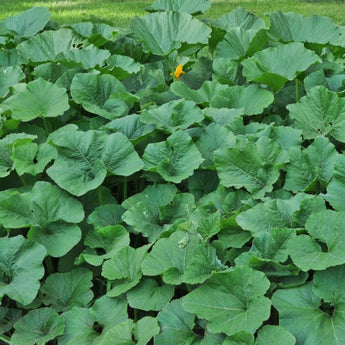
176	182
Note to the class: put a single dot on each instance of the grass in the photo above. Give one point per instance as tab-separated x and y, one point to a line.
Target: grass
120	12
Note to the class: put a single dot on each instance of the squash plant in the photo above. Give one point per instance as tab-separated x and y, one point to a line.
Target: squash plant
180	181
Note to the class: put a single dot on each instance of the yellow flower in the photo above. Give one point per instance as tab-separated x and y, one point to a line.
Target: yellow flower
178	71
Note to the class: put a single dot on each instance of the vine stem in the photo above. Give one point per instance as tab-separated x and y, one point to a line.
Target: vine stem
125	193
297	90
50	266
5	339
29	73
100	198
22	180
108	285
46	125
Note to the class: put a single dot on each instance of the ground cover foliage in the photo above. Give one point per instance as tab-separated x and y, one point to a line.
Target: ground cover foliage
176	182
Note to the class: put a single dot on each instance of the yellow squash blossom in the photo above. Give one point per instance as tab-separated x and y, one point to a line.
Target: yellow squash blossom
178	71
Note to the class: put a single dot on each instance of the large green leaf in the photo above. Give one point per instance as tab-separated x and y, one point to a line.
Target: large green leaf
40	99
232	301
174	115
105	215
119	155
213	138
131	126
320	112
240	18
305	315
124	269
122	66
15	211
94	93
252	99
30	158
291	27
38	326
89	326
120	334
145	329
49	204
271	214
9	76
88	58
336	188
174	159
274	335
183	257
29	22
58	237
109	239
47	45
175	323
63	291
143	209
49	211
240	338
294	58
84	158
201	96
205	221
311	166
329	285
324	246
252	166
96	33
21	268
180	6
161	32
239	43
149	296
6	148
271	246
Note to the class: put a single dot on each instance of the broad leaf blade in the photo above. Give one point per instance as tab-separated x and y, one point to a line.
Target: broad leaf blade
263	68
232	301
38	326
323	228
161	32
21	268
320	112
290	27
63	291
29	22
180	6
40	99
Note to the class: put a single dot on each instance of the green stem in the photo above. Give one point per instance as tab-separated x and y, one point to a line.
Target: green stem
100	198
50	266
28	69
108	285
135	315
296	89
125	192
5	339
46	126
189	289
22	180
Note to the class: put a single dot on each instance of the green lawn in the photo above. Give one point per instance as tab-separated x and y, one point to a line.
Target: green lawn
120	12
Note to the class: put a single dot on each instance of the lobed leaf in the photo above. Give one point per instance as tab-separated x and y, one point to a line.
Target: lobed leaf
21	268
162	32
232	301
